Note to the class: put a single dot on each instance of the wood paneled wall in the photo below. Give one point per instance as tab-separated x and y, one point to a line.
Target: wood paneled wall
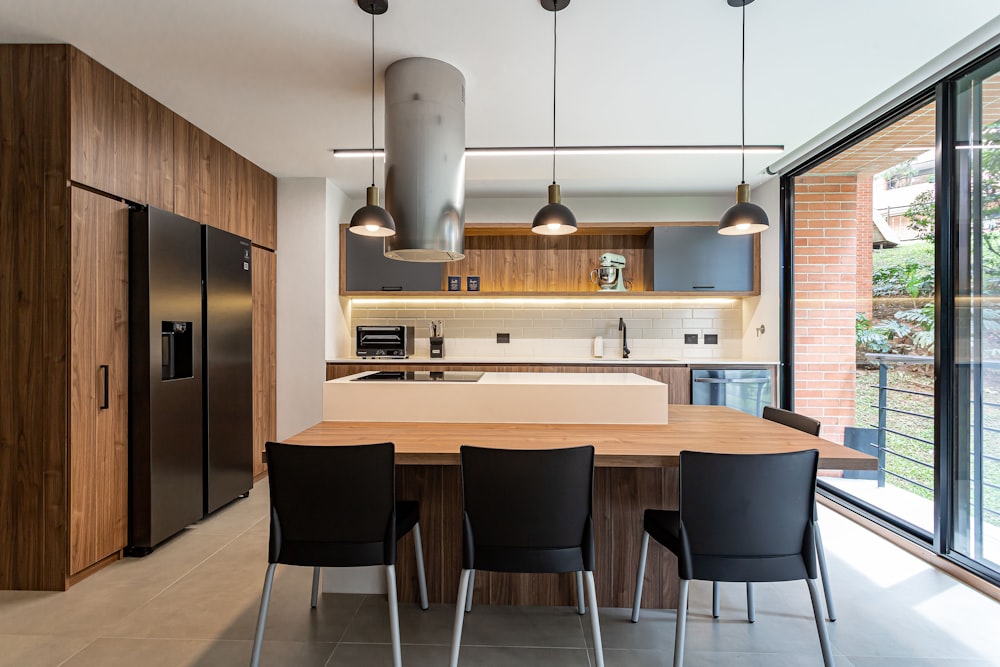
264	354
34	308
537	263
65	118
620	496
128	145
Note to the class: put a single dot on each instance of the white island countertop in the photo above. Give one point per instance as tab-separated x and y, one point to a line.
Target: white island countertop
555	361
513	398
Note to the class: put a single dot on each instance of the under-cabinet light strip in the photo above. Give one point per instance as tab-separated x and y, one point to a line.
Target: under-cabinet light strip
581	301
527	151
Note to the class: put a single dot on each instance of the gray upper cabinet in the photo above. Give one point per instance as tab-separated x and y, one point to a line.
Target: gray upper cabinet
368	270
696	258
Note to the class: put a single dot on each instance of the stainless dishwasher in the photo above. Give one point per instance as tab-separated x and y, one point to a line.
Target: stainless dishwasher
744	389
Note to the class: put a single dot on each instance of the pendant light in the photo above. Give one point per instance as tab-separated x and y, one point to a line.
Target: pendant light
554	218
743	217
372	219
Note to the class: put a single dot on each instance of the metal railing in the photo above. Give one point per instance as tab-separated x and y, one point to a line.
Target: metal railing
980	458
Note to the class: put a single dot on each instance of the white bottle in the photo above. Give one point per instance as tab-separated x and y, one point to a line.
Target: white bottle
598	347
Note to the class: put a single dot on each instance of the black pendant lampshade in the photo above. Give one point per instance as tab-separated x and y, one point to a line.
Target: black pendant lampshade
554	218
371	219
743	217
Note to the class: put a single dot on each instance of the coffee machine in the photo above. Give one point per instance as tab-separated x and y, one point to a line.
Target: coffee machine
609	275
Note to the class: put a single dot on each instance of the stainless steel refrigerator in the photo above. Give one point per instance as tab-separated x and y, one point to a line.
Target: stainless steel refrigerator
190	373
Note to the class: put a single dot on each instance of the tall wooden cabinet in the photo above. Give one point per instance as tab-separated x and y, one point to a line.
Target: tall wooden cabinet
98	421
77	143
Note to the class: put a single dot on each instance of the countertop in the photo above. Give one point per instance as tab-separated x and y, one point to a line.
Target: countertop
548	361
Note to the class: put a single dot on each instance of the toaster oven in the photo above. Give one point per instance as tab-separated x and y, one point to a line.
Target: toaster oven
392	341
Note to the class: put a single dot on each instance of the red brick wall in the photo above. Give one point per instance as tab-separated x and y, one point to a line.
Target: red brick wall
865	233
826	289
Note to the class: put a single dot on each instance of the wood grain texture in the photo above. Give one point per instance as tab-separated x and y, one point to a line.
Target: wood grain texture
98	444
264	231
122	139
708	428
543	264
195	152
34	315
677	377
264	274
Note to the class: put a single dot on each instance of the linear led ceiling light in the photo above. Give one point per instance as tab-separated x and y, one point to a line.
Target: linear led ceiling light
547	151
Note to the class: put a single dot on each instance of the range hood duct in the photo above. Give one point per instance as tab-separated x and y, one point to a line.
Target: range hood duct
425	160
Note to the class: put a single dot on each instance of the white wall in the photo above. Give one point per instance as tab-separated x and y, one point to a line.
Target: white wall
765	309
302	284
339	342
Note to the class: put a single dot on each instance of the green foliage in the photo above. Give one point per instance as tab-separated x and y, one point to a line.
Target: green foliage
910	278
906	332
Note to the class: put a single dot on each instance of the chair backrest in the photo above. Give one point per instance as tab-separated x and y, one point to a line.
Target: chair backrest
747	507
792	419
325	496
528	499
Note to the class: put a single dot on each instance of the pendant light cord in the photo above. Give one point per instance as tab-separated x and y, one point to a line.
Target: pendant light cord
373	93
555	33
743	98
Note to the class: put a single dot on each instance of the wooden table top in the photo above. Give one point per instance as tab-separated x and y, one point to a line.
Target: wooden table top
706	428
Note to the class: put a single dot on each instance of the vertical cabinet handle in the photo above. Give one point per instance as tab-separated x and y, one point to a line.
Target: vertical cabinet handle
104	369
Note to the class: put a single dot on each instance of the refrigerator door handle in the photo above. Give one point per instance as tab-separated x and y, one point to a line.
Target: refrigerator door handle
104	369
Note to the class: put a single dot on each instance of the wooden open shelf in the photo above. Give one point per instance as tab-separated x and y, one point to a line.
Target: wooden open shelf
512	261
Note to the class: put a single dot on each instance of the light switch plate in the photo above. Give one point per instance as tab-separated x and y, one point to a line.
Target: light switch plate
503	337
711	339
690	339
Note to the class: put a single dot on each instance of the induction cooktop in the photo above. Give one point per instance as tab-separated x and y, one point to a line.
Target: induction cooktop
420	376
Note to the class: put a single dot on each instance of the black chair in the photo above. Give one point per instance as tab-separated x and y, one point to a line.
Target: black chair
742	517
812	427
335	506
527	511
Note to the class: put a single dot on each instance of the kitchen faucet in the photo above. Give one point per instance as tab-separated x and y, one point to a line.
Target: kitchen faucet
624	330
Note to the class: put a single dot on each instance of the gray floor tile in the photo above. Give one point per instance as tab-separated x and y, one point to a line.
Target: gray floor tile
195	653
645	658
882	661
416	626
380	655
37	650
550	627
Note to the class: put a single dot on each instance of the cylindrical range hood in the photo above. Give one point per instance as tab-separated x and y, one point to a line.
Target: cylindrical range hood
425	160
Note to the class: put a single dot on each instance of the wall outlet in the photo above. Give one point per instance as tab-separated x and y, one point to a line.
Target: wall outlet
690	339
711	339
503	337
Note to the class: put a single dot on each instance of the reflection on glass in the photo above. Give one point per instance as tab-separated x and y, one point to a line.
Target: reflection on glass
977	163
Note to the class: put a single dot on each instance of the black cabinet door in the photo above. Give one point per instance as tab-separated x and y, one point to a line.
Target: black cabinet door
368	270
696	258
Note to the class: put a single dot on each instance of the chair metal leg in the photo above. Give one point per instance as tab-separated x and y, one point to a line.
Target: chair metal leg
639	576
751	610
581	607
472	589
315	595
595	621
823	573
418	547
715	599
456	637
824	638
265	600
390	589
682	611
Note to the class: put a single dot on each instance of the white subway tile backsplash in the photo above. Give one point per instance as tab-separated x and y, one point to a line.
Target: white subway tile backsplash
543	331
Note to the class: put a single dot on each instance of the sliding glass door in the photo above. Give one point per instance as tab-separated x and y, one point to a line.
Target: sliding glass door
976	211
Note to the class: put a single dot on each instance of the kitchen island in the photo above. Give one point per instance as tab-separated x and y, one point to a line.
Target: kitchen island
636	469
477	397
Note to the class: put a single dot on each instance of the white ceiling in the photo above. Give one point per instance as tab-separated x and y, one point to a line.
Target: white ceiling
284	82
